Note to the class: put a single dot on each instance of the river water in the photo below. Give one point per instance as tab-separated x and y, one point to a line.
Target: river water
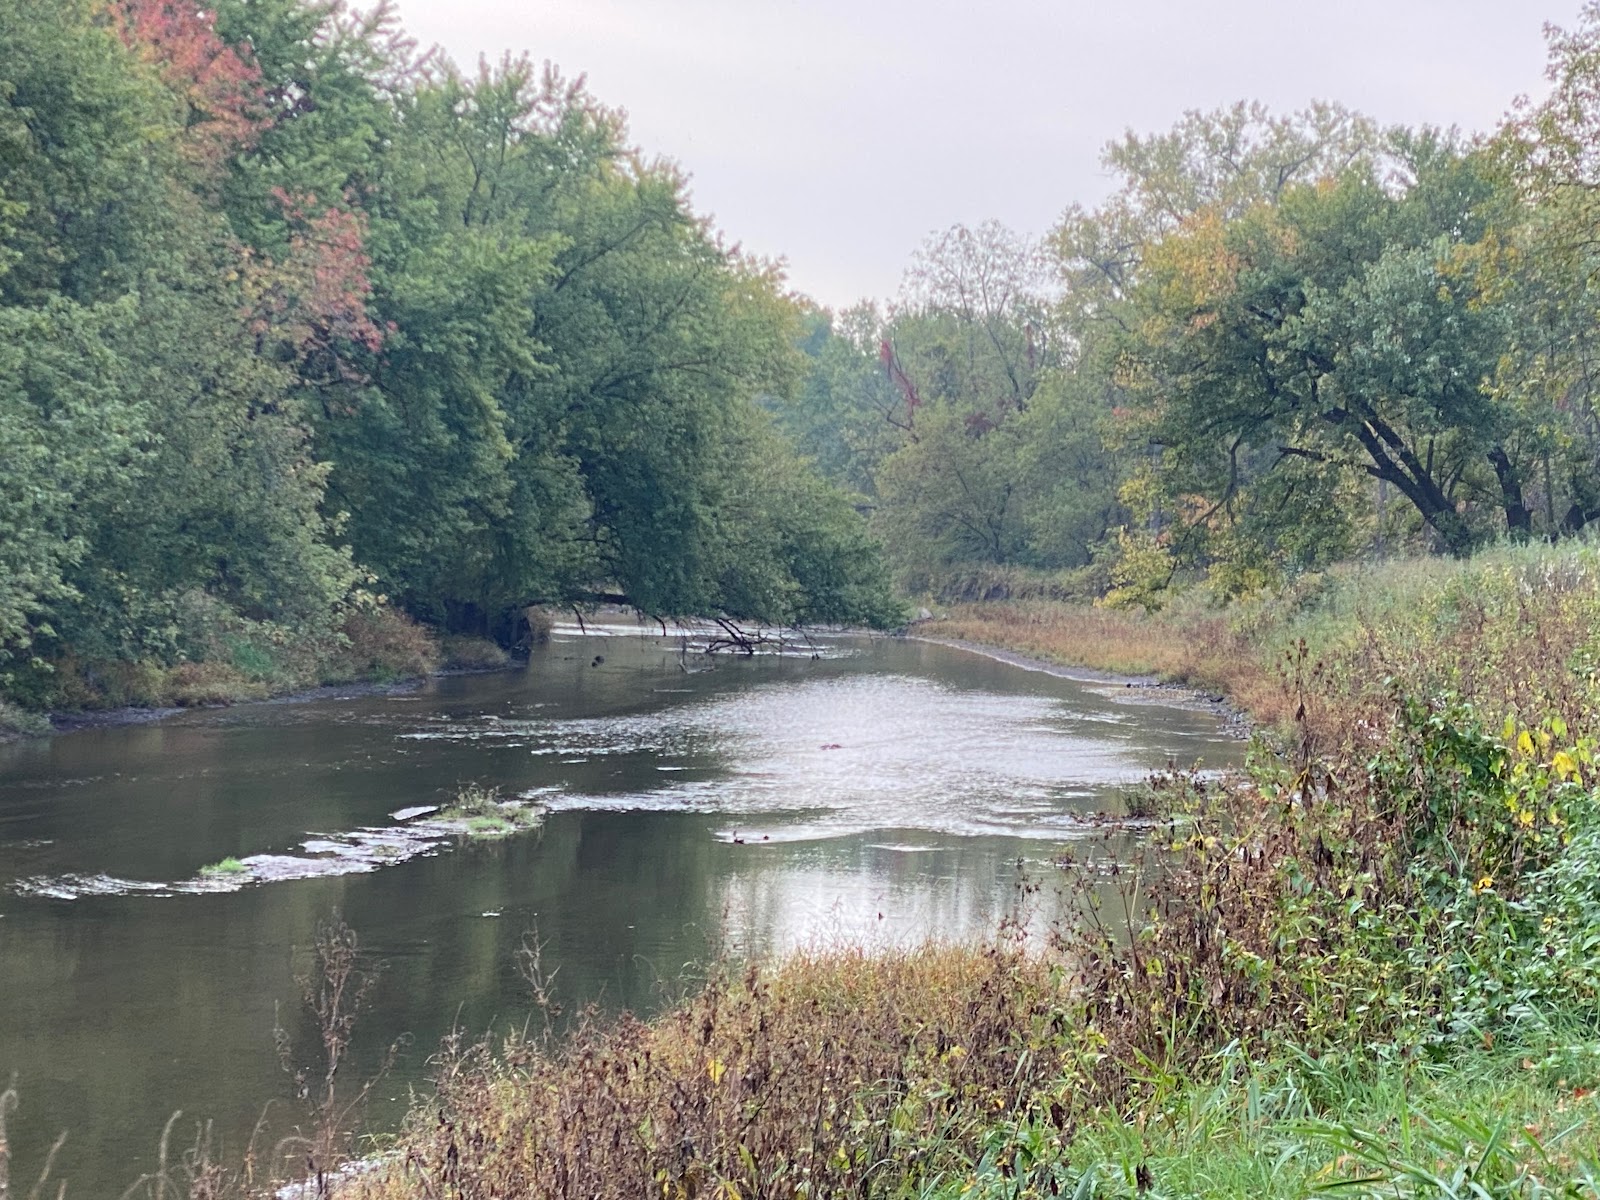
884	791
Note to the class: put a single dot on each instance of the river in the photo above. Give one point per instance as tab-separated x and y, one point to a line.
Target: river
884	791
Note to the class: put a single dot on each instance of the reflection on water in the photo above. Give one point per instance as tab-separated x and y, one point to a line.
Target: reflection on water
884	791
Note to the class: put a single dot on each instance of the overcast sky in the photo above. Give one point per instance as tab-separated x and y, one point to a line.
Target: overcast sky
838	134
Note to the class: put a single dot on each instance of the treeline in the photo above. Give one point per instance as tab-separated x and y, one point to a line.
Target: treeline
300	328
1281	342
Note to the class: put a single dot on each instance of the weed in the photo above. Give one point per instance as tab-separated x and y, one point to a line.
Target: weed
381	643
825	1076
485	814
228	866
490	827
474	800
195	685
335	992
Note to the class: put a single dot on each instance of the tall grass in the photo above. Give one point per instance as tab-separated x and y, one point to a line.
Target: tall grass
839	1073
1515	629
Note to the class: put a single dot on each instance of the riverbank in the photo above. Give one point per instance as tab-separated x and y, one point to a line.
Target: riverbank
375	651
1146	687
961	1072
1510	631
1366	964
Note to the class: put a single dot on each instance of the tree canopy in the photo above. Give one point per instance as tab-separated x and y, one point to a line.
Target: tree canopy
1282	341
298	320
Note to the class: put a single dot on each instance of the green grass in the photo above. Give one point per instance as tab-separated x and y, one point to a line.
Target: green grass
228	866
487	815
1485	1124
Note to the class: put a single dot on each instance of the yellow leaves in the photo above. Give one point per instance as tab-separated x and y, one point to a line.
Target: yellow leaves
1565	766
1196	265
716	1068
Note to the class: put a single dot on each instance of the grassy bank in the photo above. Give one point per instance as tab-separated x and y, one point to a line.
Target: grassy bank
952	1072
220	658
1514	630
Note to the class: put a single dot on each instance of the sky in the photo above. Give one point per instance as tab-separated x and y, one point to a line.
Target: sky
839	134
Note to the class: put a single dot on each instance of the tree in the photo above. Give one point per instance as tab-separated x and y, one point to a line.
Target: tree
1346	328
1548	261
66	432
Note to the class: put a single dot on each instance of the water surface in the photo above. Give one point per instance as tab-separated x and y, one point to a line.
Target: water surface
885	790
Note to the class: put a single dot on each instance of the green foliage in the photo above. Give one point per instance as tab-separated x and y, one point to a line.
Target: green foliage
17	722
292	317
1343	329
956	420
67	430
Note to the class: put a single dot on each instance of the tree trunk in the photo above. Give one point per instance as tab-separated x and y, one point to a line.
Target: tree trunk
1403	469
1519	519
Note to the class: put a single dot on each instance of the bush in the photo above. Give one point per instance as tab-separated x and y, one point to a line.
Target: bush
826	1076
383	643
472	654
18	722
197	685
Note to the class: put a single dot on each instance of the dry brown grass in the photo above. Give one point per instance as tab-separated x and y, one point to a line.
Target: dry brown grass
815	1078
196	685
1197	649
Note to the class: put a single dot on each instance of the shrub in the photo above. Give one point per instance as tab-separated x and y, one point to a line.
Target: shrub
826	1076
472	654
383	643
18	722
195	685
